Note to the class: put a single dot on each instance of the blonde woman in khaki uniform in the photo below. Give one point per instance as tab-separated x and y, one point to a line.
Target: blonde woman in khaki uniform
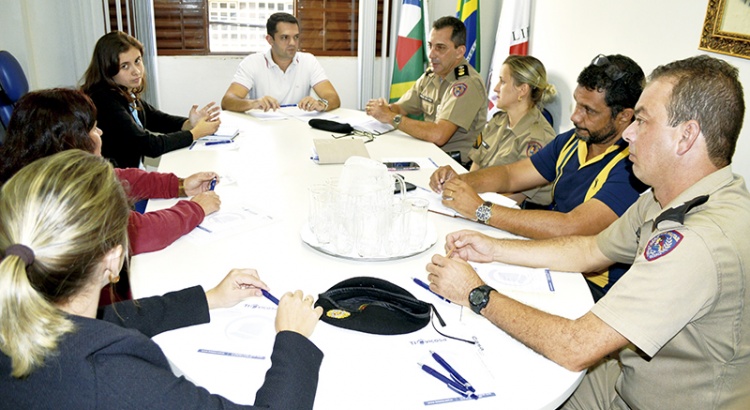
519	130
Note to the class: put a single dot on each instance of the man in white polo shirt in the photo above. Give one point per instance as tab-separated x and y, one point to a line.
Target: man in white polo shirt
280	76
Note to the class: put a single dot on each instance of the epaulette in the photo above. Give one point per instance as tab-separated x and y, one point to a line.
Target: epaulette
461	71
677	214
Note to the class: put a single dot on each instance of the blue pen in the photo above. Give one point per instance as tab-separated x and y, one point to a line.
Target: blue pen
549	281
265	293
287	105
426	286
270	297
454	374
458	388
213	185
232	354
219	142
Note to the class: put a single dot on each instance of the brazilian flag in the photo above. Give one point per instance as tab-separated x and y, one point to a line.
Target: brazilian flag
468	12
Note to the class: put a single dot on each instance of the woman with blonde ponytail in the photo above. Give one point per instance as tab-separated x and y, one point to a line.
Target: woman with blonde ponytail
63	237
35	274
519	130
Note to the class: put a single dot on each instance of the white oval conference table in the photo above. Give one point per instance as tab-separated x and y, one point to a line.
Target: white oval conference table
265	174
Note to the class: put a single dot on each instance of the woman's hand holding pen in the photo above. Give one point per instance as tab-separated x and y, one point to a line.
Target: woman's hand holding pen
199	182
296	313
238	285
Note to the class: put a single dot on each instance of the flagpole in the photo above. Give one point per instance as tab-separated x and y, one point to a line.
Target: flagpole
367	28
427	28
383	54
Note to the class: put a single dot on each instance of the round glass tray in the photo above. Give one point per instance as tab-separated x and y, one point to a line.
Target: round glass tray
309	238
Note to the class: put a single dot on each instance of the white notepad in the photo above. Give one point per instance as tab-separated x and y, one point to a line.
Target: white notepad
337	151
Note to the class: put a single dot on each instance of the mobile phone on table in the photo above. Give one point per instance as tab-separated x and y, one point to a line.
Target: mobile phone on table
402	166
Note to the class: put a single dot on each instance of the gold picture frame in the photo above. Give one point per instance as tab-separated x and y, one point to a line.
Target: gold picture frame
726	29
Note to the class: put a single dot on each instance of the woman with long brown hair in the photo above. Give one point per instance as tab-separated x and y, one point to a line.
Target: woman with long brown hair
132	127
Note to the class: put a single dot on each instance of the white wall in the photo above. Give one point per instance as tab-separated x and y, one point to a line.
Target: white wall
567	35
51	39
185	81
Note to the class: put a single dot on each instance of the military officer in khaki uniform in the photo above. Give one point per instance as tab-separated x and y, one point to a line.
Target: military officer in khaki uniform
679	319
451	95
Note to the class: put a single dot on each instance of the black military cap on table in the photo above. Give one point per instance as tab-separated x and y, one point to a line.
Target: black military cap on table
373	305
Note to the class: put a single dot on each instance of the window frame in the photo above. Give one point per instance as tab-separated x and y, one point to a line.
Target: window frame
182	27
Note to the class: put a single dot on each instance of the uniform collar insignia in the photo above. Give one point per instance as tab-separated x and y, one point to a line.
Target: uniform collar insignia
461	71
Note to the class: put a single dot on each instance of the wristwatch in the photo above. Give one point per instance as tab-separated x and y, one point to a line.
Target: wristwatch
479	298
325	102
181	188
484	212
396	121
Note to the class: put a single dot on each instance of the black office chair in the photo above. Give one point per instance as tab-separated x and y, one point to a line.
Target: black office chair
13	85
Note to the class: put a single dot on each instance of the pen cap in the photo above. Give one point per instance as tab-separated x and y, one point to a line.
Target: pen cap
373	305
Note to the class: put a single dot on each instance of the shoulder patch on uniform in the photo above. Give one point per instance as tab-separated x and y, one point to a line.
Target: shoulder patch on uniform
459	89
461	71
662	244
532	148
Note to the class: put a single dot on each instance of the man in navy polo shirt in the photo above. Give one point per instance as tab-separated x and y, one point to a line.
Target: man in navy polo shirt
588	166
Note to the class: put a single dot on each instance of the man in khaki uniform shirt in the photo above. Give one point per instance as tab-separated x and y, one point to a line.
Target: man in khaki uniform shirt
680	318
451	95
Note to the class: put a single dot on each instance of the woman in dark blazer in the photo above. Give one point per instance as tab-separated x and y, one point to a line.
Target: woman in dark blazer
63	237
